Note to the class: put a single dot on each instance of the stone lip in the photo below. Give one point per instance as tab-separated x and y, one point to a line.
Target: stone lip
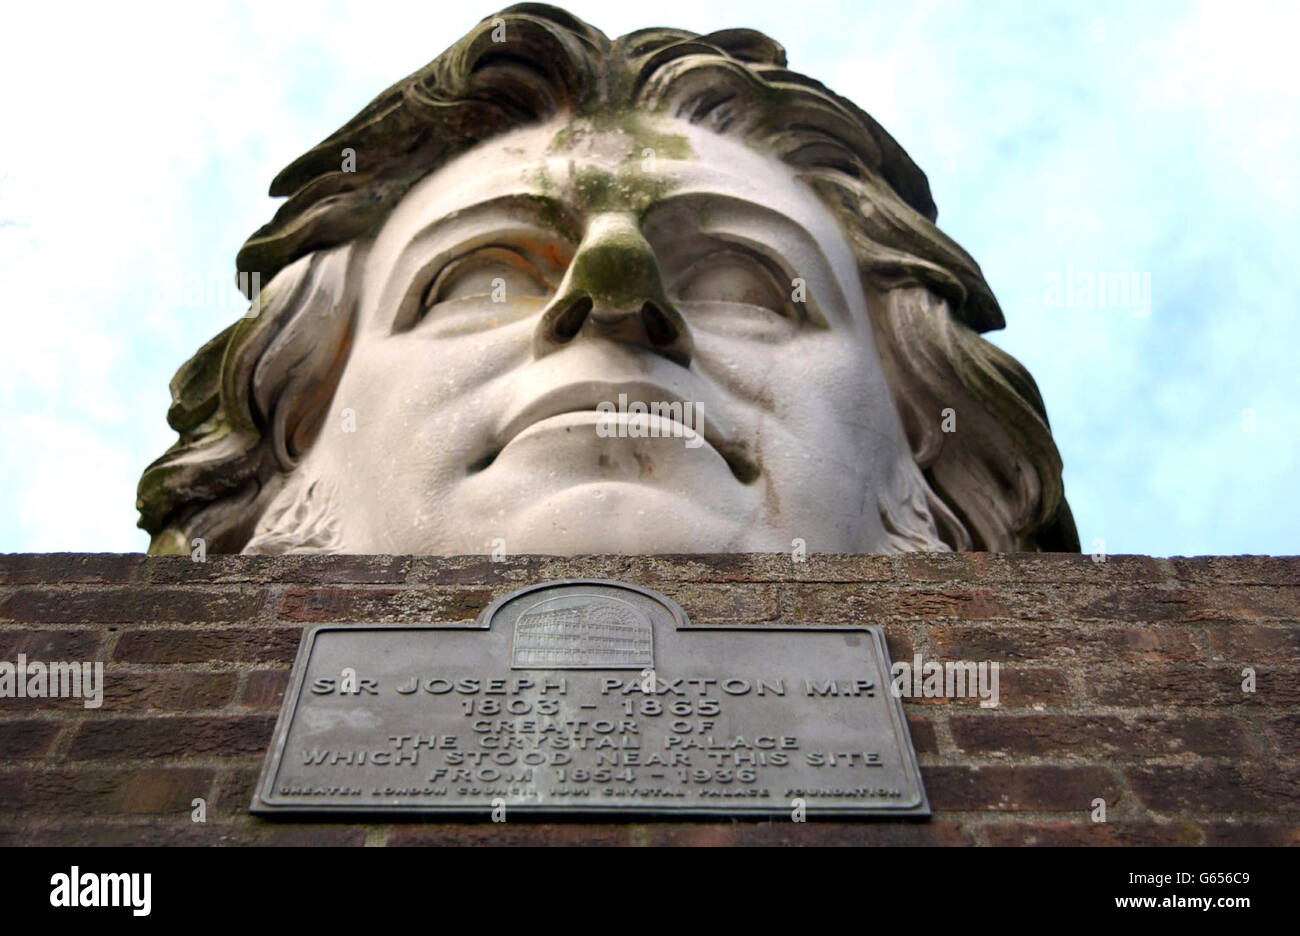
1120	680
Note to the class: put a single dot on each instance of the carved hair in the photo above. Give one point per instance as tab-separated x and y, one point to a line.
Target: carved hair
248	405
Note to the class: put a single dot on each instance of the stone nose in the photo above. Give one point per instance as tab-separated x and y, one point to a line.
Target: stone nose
613	290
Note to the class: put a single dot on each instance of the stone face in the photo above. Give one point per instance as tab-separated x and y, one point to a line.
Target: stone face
666	299
503	436
1162	730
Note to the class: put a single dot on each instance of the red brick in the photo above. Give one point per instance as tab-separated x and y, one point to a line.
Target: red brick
725	604
1255	643
1030	568
1018	687
1174	684
134	692
61	568
965	568
811	833
98	792
27	737
1251	833
392	605
969	604
1284	734
175	736
1062	642
922	732
265	688
1047	788
899	644
1252	602
1025	686
1114	832
234	792
877	604
1097	736
167	691
1186	605
49	645
1237	570
512	833
305	569
1217	788
652	571
204	645
837	604
511	572
744	568
136	604
181	830
1068	568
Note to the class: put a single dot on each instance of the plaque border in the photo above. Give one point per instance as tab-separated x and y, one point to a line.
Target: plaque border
919	809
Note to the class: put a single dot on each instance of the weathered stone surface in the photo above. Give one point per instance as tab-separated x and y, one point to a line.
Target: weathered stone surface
612	355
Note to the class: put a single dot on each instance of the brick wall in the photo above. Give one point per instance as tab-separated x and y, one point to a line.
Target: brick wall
1120	680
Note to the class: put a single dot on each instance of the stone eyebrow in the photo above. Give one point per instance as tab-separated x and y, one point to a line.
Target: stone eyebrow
712	207
537	208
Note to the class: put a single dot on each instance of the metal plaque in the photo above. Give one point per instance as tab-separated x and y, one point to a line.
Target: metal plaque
590	697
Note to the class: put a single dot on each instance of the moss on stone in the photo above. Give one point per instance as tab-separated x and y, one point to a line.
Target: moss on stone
170	542
630	190
640	127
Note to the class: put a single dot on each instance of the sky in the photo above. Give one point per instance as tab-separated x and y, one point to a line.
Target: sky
1062	141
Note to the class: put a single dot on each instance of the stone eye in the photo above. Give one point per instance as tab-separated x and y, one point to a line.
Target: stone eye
732	277
498	273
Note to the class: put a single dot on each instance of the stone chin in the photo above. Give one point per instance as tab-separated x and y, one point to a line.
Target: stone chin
580	483
625	517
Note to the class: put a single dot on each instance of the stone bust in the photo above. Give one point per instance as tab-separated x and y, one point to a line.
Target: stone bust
556	293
